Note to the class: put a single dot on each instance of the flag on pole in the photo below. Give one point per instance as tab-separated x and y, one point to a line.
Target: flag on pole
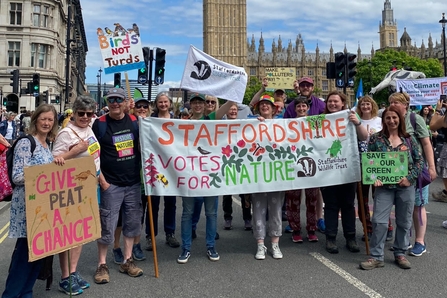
359	92
205	74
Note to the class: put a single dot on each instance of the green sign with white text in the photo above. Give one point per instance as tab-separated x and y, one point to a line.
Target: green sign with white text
388	167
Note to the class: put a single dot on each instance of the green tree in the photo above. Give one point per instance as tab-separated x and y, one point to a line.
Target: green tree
374	71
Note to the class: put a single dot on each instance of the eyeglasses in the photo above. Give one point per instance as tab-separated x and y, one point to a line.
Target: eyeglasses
115	99
82	114
210	102
308	85
142	106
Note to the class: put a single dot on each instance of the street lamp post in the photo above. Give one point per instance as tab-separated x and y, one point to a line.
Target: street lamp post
370	74
99	88
443	21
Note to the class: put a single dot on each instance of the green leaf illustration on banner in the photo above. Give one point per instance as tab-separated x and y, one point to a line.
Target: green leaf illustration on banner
236	149
272	157
259	158
215	179
269	149
303	151
243	152
250	158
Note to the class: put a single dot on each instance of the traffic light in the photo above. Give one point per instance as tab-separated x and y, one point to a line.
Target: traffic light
117	80
36	85
340	69
15	81
142	75
58	99
45	96
5	101
160	59
350	68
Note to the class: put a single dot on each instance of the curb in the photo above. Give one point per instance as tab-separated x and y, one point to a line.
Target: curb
4	206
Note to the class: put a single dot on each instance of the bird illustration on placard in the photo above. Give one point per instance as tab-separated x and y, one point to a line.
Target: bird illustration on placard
203	151
136	29
99	32
119	29
108	31
84	175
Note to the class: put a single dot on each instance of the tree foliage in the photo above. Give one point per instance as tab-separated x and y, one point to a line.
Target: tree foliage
373	72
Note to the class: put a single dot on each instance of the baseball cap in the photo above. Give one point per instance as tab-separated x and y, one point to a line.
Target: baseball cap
197	96
116	92
306	79
140	99
283	90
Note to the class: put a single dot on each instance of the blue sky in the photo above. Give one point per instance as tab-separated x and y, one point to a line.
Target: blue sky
176	24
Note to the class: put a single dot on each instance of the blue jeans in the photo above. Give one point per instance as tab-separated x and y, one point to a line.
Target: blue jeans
22	274
187	219
198	202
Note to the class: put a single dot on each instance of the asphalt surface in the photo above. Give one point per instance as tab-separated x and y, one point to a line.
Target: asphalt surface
306	270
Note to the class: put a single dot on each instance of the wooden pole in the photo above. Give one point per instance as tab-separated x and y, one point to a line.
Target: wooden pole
362	211
151	226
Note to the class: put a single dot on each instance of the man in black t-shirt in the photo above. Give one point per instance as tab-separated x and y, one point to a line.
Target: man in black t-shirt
120	182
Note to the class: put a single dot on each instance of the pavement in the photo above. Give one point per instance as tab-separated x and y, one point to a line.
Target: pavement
4	206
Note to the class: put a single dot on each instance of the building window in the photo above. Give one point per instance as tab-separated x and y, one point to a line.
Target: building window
13	53
323	72
41	16
310	72
39	54
297	73
325	85
15	14
252	71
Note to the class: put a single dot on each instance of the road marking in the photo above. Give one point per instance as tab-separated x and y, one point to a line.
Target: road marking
1	232
348	277
236	201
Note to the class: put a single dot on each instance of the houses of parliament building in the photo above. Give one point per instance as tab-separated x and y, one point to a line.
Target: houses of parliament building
225	38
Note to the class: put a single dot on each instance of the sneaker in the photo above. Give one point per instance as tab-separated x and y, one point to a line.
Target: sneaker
248	226
312	237
418	250
137	253
217	236
184	257
408	247
331	246
276	252
64	286
352	246
321	225
130	268
402	262
118	257
371	263
296	237
389	235
444	224
194	234
148	245
260	254
212	254
227	225
102	274
171	241
288	229
440	196
81	282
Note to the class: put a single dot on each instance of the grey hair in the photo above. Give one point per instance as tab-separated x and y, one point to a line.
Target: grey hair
160	94
84	103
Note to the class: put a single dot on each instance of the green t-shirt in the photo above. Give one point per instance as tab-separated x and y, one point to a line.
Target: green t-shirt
211	116
421	128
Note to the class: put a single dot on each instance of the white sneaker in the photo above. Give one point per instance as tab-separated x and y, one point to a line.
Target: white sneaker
277	254
444	224
260	254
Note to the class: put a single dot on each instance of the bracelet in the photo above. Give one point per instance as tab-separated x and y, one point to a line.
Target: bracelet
438	111
360	123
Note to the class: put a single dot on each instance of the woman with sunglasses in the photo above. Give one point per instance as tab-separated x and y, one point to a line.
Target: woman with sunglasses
211	104
74	141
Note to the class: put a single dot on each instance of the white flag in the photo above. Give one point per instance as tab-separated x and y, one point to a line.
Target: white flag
207	75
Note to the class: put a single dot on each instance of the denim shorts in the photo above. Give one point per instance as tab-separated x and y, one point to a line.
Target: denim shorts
112	200
417	201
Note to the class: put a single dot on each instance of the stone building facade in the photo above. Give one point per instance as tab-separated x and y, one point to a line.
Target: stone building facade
33	37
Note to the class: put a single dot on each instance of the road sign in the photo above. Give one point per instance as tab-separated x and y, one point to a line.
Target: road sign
36	94
142	80
340	83
158	80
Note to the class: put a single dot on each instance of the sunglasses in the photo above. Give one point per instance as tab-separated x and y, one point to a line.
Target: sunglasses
82	114
115	99
141	106
210	102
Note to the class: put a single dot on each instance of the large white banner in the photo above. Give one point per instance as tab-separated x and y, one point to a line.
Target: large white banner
204	158
423	91
205	74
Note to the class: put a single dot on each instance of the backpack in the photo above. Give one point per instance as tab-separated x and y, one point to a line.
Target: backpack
10	159
102	125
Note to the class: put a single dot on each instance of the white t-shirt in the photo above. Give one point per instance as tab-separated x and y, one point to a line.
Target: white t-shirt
9	131
67	138
372	125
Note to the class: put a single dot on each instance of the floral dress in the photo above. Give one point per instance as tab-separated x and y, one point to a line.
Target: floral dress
24	158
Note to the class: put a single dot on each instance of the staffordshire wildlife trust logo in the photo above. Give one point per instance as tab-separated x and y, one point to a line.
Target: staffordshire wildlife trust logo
203	70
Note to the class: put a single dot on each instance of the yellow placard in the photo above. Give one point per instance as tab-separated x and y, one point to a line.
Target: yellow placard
61	206
280	77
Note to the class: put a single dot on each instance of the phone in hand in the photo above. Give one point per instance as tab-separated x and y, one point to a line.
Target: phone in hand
443	98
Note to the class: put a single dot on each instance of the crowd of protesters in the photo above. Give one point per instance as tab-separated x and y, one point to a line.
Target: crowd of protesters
123	210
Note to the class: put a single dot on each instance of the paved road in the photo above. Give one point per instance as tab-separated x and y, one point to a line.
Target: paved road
306	270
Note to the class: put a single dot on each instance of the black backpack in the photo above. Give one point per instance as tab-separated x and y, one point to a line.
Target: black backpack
10	159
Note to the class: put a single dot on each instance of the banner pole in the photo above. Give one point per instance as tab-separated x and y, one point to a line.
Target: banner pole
362	211
151	226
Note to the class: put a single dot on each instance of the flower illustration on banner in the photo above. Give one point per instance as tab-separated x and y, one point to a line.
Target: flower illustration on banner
227	151
241	144
293	147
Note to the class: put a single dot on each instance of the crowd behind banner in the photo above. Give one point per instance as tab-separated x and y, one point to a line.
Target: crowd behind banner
129	162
